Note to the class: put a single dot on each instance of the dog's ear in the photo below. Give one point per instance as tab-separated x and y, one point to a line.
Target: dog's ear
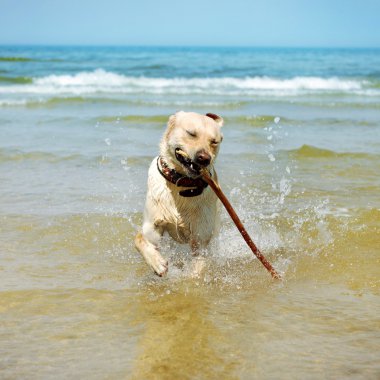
218	120
171	121
174	118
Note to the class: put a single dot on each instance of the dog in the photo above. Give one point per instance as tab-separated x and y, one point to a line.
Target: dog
178	200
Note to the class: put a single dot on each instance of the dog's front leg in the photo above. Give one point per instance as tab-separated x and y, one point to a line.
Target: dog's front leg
198	263
195	246
147	243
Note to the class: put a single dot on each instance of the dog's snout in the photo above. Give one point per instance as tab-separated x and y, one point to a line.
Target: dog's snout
203	158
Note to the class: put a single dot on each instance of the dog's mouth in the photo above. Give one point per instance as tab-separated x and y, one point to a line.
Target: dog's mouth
184	159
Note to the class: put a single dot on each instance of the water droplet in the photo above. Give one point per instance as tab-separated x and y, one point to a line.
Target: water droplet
277	119
107	141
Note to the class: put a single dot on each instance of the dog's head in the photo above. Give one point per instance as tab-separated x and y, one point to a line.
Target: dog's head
191	141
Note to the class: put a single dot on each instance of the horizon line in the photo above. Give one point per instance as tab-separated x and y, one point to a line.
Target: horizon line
187	46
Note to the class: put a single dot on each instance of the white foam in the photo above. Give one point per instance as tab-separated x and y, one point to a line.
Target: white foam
97	79
13	102
101	81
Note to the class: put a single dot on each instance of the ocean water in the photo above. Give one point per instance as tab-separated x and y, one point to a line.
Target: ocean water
300	162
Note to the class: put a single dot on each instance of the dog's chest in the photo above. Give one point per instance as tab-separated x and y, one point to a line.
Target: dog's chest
184	218
191	219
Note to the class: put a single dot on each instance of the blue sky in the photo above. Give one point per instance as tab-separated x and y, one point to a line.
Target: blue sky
314	23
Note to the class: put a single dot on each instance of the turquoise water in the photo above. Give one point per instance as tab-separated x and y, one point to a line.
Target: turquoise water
300	162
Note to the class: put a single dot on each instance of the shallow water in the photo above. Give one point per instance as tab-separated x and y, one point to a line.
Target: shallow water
300	162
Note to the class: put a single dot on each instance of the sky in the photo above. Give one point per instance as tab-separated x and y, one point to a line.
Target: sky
272	23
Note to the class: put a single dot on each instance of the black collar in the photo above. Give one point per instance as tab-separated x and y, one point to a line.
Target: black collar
171	175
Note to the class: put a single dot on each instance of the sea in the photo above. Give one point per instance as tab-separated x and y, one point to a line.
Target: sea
300	163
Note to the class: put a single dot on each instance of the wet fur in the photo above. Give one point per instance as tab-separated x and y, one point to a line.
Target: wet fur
191	220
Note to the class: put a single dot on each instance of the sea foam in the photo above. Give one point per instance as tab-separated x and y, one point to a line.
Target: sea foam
101	81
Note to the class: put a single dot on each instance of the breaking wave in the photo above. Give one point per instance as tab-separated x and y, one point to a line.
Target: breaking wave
101	81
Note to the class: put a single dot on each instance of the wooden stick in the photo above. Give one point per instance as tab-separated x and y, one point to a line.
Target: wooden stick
218	191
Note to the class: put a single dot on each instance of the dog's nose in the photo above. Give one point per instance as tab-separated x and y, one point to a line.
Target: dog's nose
202	158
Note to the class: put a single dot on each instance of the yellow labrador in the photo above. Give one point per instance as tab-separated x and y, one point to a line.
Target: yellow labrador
178	200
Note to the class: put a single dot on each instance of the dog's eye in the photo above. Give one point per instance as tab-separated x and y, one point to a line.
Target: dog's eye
191	133
214	142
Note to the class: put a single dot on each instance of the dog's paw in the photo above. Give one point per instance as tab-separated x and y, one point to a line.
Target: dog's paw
159	265
198	266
